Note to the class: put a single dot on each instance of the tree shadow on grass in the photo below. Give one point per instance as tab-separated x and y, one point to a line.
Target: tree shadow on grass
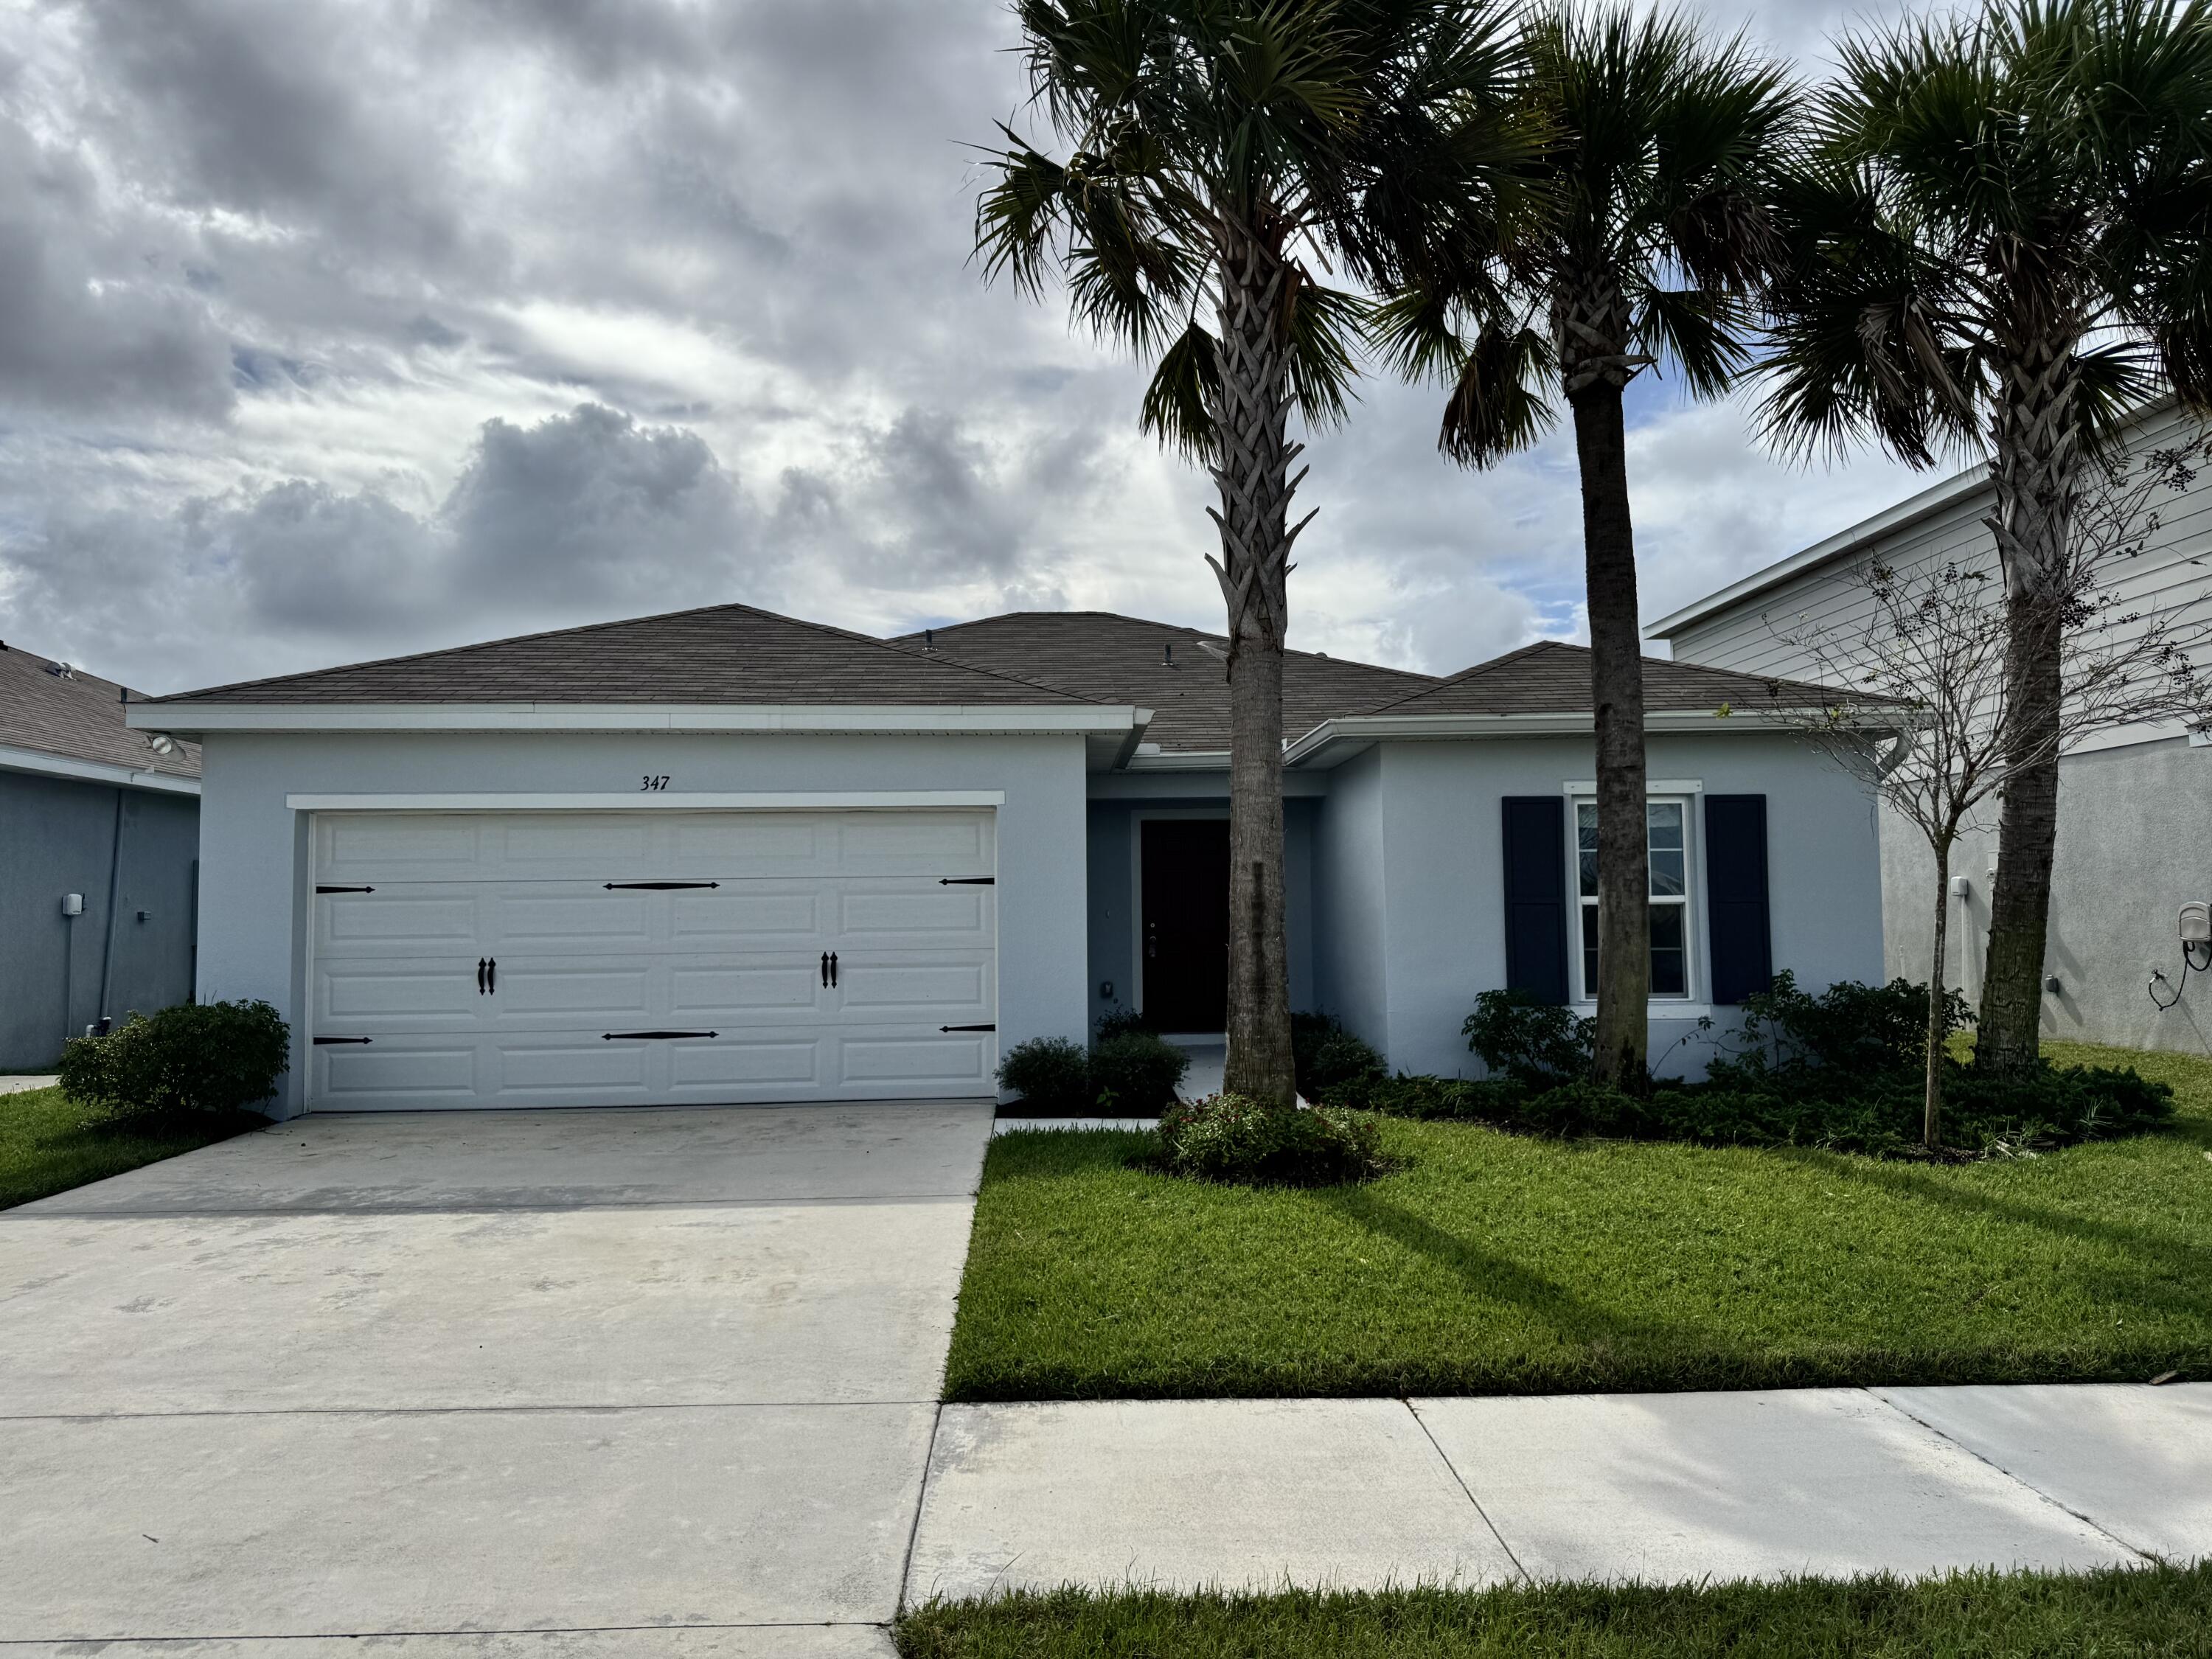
1614	1345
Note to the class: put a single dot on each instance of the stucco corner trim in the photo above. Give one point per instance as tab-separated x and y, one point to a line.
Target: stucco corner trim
665	800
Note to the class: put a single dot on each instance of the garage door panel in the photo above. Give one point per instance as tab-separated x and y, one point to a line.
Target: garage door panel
749	989
439	993
588	942
400	1073
917	1060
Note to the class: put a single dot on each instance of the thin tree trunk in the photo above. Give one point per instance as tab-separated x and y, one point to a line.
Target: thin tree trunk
1931	1113
1624	927
1252	471
2035	475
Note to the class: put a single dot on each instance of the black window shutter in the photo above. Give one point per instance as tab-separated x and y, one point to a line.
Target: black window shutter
1536	896
1735	895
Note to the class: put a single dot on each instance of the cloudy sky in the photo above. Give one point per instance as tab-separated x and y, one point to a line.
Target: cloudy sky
336	328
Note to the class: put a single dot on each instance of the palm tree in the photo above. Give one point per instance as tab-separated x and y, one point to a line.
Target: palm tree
1218	153
2003	234
1654	235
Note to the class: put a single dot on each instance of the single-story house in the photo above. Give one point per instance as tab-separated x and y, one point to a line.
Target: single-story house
724	855
98	841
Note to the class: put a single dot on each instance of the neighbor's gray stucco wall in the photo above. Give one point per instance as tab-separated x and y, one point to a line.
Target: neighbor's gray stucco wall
57	836
1442	933
2131	853
254	870
1115	894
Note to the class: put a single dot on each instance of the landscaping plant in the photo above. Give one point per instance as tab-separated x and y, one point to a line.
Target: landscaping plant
1327	1054
1051	1074
1231	1138
1135	1072
212	1057
1652	237
2000	240
1225	162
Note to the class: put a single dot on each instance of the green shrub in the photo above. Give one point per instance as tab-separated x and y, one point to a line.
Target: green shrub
1118	1021
1850	1029
1539	1043
1051	1074
1473	1100
196	1057
1255	1143
1135	1072
1325	1054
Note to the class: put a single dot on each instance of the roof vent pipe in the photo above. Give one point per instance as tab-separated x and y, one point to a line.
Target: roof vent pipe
1167	655
929	639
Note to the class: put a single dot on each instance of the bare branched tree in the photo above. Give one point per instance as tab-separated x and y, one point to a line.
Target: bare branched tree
1933	726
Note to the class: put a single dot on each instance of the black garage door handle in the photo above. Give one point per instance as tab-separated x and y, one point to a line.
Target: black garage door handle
610	1036
967	1028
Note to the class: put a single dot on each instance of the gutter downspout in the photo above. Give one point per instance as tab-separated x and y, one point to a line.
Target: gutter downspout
114	885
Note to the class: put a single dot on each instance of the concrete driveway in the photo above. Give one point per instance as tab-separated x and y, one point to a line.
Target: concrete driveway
633	1383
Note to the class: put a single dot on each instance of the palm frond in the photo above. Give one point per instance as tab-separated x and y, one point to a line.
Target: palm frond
1183	394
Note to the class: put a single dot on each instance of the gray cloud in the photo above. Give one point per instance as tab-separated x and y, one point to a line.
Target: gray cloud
335	329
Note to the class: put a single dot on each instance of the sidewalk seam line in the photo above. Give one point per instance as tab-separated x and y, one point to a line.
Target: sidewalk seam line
920	1497
2025	1484
471	1411
1452	1468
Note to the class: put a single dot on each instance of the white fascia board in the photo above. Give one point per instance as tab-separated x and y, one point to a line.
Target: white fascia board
65	766
1889	521
1356	732
892	719
662	800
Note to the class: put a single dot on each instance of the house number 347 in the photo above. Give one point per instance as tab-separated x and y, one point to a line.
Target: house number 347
653	781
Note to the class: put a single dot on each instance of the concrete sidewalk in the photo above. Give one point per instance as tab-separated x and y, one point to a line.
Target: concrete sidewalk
1362	1493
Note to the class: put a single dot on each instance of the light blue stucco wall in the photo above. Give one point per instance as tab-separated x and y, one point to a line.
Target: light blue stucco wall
254	872
1114	894
1423	822
1349	876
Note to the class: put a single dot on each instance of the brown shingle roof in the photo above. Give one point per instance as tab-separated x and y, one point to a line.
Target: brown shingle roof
723	654
78	718
1549	677
1115	658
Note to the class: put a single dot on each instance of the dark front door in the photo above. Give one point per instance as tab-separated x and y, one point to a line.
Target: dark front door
1186	923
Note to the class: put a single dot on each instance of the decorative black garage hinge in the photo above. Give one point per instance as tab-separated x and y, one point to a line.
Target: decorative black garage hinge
659	886
967	1028
967	881
319	888
610	1036
324	1042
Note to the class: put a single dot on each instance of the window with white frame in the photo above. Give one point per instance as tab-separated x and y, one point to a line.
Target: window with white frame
1666	845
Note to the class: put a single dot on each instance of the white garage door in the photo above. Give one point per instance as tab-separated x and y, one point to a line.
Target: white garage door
651	957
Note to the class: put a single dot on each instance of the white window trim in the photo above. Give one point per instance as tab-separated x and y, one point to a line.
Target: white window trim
1695	1003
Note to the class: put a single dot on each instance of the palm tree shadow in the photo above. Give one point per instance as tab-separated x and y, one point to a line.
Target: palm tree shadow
1494	1277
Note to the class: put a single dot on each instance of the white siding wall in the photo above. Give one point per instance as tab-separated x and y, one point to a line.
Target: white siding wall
2131	805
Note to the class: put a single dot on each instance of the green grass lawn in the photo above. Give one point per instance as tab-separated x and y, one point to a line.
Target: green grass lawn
48	1144
1502	1264
2159	1611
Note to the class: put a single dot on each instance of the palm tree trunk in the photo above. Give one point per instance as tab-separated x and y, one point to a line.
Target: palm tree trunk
1252	471
1931	1111
1624	937
2035	474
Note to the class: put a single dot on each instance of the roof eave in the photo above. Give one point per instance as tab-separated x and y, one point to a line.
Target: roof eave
1333	742
42	764
191	718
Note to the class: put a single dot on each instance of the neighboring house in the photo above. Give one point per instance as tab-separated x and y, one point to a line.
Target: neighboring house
725	855
2131	802
99	840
